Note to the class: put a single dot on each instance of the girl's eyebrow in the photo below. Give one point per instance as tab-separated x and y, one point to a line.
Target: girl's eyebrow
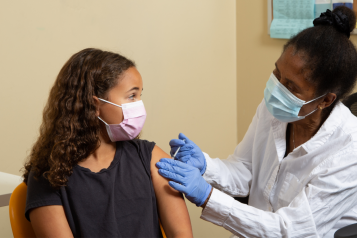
134	88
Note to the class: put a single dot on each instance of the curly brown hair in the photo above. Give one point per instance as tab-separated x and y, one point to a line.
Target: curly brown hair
70	129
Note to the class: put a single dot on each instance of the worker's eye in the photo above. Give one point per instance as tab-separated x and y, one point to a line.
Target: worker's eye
277	75
291	88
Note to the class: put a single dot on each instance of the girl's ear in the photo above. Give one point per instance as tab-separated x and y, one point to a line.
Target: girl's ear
96	101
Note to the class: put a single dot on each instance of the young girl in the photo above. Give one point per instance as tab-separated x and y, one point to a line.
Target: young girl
88	174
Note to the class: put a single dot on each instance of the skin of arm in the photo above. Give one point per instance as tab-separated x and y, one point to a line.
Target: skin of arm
173	212
50	221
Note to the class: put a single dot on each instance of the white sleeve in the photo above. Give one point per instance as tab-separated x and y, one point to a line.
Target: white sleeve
312	213
234	174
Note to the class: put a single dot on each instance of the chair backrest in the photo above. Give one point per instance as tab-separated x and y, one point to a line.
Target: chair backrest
162	231
21	227
351	103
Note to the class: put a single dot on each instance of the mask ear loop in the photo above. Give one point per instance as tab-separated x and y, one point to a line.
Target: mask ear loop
315	99
312	101
103	121
106	124
109	102
107	128
310	113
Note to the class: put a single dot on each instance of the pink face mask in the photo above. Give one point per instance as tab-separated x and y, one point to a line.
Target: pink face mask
134	119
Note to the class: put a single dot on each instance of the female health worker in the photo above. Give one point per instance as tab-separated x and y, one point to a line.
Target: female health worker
298	159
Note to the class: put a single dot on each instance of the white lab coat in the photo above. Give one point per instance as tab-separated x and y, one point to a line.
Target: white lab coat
310	193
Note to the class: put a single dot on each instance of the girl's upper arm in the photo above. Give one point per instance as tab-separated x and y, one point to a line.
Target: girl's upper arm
50	221
172	208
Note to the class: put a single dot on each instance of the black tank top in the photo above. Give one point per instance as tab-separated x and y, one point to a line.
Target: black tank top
116	202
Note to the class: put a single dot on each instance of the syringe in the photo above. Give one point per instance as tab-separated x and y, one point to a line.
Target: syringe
177	150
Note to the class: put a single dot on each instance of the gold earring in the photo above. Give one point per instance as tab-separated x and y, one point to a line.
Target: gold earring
321	108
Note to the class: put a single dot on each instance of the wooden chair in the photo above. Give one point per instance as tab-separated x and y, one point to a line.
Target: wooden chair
21	227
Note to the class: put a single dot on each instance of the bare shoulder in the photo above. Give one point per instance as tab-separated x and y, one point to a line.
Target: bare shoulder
171	205
157	154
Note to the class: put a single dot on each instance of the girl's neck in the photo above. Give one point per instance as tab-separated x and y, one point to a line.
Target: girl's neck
105	149
102	156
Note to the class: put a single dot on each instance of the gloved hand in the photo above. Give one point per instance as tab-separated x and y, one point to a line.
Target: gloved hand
185	179
189	153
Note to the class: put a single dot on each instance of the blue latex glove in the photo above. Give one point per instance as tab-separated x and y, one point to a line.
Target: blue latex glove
185	179
189	153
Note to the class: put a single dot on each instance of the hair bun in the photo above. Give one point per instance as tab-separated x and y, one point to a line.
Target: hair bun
342	18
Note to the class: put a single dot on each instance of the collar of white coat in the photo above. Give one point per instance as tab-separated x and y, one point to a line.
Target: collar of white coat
323	134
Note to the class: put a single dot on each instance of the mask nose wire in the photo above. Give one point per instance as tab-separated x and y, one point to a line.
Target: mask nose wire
109	102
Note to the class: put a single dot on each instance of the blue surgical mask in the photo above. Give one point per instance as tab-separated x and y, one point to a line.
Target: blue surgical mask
281	103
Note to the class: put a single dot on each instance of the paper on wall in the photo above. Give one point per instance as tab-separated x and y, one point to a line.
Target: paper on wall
291	17
347	3
321	6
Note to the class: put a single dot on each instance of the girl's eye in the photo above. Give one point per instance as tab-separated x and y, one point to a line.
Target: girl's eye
132	96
